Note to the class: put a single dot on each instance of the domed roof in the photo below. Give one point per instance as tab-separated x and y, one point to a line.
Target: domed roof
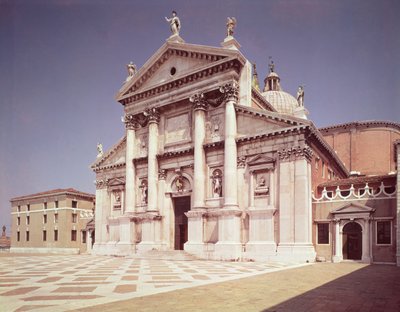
282	101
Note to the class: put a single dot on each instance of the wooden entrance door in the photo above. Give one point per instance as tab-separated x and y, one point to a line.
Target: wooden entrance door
352	241
181	205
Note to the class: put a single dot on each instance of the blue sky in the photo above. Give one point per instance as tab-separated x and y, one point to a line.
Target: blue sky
62	63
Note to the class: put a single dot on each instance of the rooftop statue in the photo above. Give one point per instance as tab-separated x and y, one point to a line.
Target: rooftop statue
271	65
174	23
131	70
99	150
300	96
230	25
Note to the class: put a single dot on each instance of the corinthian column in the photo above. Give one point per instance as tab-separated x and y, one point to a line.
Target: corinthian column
200	107
152	166
130	174
231	91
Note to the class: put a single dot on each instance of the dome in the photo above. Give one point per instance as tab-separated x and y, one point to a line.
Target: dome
283	102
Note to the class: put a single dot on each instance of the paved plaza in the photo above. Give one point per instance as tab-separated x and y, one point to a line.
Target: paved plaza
70	282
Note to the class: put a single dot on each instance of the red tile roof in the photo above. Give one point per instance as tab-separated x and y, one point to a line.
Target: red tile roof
54	192
359	180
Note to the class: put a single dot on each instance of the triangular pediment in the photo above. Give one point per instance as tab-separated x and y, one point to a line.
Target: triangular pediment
353	209
172	61
253	121
114	156
116	181
260	159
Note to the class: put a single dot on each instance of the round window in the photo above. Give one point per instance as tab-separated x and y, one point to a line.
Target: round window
173	71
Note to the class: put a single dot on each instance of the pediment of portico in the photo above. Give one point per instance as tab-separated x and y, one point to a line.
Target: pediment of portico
113	157
352	211
174	64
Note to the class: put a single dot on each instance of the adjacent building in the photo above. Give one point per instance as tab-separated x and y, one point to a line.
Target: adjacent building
52	222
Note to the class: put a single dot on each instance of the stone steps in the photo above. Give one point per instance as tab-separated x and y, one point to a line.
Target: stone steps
176	255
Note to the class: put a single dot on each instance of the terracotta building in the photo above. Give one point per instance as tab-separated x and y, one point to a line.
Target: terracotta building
51	222
213	164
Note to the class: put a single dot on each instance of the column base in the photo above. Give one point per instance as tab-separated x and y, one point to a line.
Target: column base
200	250
125	248
147	246
260	250
366	259
336	259
228	251
296	252
99	249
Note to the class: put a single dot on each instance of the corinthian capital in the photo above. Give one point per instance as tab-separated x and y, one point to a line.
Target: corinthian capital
130	121
152	115
230	91
199	101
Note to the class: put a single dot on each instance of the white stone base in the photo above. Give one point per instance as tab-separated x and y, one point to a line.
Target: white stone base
260	251
43	250
200	250
125	248
147	246
228	251
336	259
296	252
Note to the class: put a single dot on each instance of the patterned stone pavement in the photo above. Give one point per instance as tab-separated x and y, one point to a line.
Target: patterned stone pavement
62	283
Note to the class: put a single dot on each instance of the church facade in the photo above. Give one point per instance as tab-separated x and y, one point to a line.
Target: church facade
213	165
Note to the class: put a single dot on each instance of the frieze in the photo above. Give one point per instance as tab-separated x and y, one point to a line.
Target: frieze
295	152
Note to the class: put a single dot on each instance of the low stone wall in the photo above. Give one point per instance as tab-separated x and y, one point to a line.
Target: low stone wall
64	251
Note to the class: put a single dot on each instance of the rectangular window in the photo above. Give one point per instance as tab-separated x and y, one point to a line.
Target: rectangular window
18	220
56	204
56	218
44	205
74	204
44	236
323	233
55	235
44	218
73	235
74	217
28	220
383	232
18	236
19	208
27	236
83	237
323	170
28	207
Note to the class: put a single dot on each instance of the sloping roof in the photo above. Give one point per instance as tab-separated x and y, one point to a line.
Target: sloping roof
358	180
70	191
361	124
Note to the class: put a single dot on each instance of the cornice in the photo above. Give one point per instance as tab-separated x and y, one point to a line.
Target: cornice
108	154
261	100
177	153
214	145
360	124
54	193
279	132
112	166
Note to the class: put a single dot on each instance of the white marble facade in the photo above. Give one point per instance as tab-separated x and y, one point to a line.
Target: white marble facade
206	165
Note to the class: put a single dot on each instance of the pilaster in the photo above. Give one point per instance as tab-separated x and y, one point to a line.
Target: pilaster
152	165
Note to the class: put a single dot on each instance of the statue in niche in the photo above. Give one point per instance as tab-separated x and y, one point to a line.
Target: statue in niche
300	96
131	70
179	184
230	25
261	186
143	189
99	150
117	197
217	183
174	23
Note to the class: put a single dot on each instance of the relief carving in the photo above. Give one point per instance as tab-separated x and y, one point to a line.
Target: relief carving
230	91
295	152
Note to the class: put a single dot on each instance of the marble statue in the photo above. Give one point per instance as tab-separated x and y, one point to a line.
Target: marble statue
217	185
300	96
174	23
131	70
179	184
99	150
230	25
143	187
271	65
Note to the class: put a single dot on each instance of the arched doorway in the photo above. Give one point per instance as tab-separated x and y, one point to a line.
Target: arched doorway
352	241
